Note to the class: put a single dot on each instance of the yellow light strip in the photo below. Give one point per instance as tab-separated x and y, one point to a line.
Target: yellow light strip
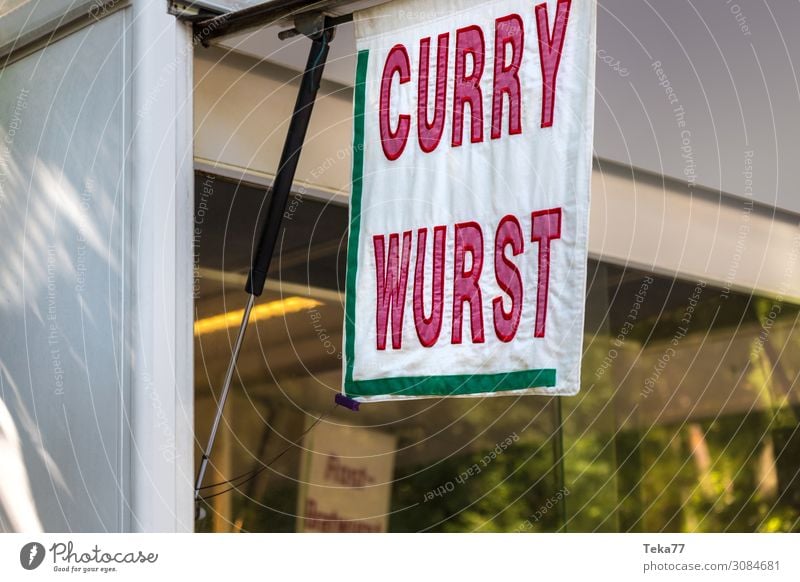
258	313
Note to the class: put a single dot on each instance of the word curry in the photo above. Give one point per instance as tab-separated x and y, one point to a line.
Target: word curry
467	248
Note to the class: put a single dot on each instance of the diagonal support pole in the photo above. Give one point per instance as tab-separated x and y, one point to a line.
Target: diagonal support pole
293	146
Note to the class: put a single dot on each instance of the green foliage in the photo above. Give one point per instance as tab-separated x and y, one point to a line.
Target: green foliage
730	477
509	490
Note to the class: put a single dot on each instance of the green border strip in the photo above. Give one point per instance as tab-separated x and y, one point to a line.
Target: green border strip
453	385
355	215
406	385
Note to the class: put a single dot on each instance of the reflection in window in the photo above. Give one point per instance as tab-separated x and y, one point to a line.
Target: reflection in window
686	421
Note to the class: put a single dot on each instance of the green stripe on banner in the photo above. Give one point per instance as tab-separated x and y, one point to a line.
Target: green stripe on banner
453	385
410	385
355	212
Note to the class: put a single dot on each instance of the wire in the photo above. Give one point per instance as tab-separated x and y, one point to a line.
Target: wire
252	474
231	480
255	472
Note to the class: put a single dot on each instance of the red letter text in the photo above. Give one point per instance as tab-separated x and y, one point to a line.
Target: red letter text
508	31
509	232
550	47
468	239
545	227
428	328
394	142
392	277
431	132
469	41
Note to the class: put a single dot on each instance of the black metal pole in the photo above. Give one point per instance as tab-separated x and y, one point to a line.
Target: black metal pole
298	127
558	462
288	164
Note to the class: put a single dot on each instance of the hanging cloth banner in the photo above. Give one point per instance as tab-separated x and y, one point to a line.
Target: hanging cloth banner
469	211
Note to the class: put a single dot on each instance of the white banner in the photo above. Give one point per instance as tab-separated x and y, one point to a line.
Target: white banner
470	199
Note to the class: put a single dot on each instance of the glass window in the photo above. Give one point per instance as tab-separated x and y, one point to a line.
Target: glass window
686	420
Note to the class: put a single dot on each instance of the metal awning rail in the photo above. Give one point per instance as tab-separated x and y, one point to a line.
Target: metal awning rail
299	15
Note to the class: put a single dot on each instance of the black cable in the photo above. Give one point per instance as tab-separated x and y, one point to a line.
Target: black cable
256	472
253	472
231	480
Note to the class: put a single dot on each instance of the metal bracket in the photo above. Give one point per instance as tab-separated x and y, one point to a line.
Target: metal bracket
307	16
313	25
187	10
310	25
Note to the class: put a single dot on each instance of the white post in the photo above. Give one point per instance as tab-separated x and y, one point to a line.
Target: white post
160	162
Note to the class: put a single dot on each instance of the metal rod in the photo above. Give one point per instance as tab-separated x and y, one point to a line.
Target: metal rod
237	346
292	148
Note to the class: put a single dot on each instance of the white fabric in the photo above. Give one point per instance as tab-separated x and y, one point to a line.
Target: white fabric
540	168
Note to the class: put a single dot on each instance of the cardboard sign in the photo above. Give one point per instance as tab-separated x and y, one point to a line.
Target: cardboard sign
470	199
345	480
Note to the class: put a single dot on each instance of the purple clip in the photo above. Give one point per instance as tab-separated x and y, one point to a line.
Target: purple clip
343	400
